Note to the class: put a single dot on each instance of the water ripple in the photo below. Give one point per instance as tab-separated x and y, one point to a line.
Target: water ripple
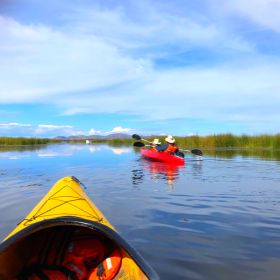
211	219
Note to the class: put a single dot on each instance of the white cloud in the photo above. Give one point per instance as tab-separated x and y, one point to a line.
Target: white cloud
266	13
50	130
51	126
86	66
93	131
148	31
119	129
11	125
56	130
48	63
10	129
87	55
216	93
155	31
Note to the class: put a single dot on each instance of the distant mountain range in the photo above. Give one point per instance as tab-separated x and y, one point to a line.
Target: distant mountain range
96	137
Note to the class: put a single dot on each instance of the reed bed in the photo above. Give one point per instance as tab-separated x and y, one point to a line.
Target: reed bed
228	141
20	141
217	141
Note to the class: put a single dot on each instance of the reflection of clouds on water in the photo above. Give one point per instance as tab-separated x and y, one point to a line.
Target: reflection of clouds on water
94	149
69	150
50	153
120	150
53	154
41	151
12	156
59	151
115	150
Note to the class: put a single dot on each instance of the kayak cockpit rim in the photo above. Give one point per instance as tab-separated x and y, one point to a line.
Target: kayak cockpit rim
83	223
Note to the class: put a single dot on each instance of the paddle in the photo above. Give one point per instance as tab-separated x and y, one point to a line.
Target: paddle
196	152
138	138
140	144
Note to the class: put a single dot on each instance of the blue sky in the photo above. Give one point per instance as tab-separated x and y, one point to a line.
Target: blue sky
152	67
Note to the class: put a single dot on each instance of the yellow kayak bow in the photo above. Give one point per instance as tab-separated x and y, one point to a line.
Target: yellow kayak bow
67	235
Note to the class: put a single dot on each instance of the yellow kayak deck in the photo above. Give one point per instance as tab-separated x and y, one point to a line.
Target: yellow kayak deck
64	215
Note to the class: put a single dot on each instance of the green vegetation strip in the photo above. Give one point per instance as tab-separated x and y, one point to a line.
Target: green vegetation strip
220	141
227	141
19	141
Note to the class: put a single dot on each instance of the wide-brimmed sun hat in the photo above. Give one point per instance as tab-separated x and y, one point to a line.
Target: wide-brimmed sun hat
170	139
156	142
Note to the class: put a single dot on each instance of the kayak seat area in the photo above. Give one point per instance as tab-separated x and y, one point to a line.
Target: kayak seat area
65	252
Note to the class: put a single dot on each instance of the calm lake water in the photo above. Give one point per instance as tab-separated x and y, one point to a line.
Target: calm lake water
216	218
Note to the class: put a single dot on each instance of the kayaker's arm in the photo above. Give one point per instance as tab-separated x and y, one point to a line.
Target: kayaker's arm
162	148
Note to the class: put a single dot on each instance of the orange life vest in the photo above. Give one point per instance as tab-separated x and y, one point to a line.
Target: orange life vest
84	259
171	149
153	148
109	268
82	256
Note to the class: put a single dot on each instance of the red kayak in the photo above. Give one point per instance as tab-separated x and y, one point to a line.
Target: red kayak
163	157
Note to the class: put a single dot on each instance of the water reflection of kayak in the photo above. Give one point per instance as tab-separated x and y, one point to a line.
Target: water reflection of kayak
163	157
163	171
67	237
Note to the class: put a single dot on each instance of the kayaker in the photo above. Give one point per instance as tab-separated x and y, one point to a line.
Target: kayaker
169	147
156	143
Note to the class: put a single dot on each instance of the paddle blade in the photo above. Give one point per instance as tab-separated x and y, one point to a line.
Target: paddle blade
197	152
180	154
138	144
136	137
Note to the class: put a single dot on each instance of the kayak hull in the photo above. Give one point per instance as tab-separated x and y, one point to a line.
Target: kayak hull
65	216
162	157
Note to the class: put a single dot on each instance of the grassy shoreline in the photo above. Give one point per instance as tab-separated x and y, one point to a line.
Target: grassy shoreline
22	141
230	141
219	141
